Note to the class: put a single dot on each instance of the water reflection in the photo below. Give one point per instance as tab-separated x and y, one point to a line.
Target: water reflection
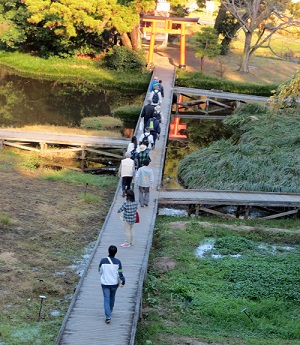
26	101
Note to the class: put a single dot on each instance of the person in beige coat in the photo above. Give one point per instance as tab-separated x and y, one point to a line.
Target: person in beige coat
126	172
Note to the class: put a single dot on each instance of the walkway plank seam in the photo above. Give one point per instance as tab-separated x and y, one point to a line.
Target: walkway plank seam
84	322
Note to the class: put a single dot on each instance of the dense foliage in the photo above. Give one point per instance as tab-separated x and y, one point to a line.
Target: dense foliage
122	58
262	155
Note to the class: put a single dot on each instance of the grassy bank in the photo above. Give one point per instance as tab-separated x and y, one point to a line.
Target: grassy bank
191	300
74	70
49	222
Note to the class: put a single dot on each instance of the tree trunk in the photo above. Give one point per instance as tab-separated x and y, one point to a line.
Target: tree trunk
201	63
126	41
246	54
136	37
220	19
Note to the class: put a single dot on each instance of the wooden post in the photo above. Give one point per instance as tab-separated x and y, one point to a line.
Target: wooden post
182	47
83	156
1	144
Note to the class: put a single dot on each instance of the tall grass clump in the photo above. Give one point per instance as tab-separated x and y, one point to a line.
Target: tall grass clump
4	219
262	155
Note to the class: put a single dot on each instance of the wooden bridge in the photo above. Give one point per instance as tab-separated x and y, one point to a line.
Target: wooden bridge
204	104
84	321
271	205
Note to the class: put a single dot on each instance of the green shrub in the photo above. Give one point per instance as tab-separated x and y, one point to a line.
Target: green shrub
128	112
31	162
101	122
201	81
124	59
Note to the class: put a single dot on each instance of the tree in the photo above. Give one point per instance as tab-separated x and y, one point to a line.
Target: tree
64	26
288	94
263	18
227	26
207	44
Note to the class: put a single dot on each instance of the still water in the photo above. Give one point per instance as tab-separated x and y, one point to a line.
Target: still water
26	101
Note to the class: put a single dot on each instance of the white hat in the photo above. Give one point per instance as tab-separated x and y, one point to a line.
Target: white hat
143	147
155	78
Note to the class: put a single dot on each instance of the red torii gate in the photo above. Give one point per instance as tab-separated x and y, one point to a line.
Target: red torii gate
172	25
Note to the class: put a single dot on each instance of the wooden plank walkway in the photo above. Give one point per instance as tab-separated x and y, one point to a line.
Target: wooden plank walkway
59	138
84	322
221	94
217	197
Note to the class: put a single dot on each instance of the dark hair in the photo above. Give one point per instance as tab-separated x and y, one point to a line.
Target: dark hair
160	81
146	162
134	141
112	250
130	195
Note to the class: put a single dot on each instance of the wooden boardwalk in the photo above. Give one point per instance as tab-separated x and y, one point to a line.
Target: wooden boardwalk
205	200
84	323
203	104
11	136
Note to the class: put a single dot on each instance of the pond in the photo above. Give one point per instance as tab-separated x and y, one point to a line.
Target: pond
26	101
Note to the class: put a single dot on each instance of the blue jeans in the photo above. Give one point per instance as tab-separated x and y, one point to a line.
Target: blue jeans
109	294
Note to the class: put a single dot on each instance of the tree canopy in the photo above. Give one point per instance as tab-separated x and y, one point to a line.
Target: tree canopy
65	26
263	18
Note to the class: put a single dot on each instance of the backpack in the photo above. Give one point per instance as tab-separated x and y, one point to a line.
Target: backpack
151	125
145	140
133	152
155	98
158	115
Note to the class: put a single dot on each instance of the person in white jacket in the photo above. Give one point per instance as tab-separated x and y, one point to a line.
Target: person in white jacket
144	179
111	276
126	172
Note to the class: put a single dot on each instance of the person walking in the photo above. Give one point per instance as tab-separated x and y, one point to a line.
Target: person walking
147	112
159	113
161	88
110	269
155	96
143	155
144	179
146	139
126	172
153	82
129	209
154	126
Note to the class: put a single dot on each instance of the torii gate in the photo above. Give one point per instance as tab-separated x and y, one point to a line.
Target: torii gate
179	29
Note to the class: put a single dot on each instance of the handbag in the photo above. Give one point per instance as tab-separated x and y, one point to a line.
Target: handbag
137	217
119	280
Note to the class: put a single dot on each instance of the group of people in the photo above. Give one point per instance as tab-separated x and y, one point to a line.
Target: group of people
133	168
